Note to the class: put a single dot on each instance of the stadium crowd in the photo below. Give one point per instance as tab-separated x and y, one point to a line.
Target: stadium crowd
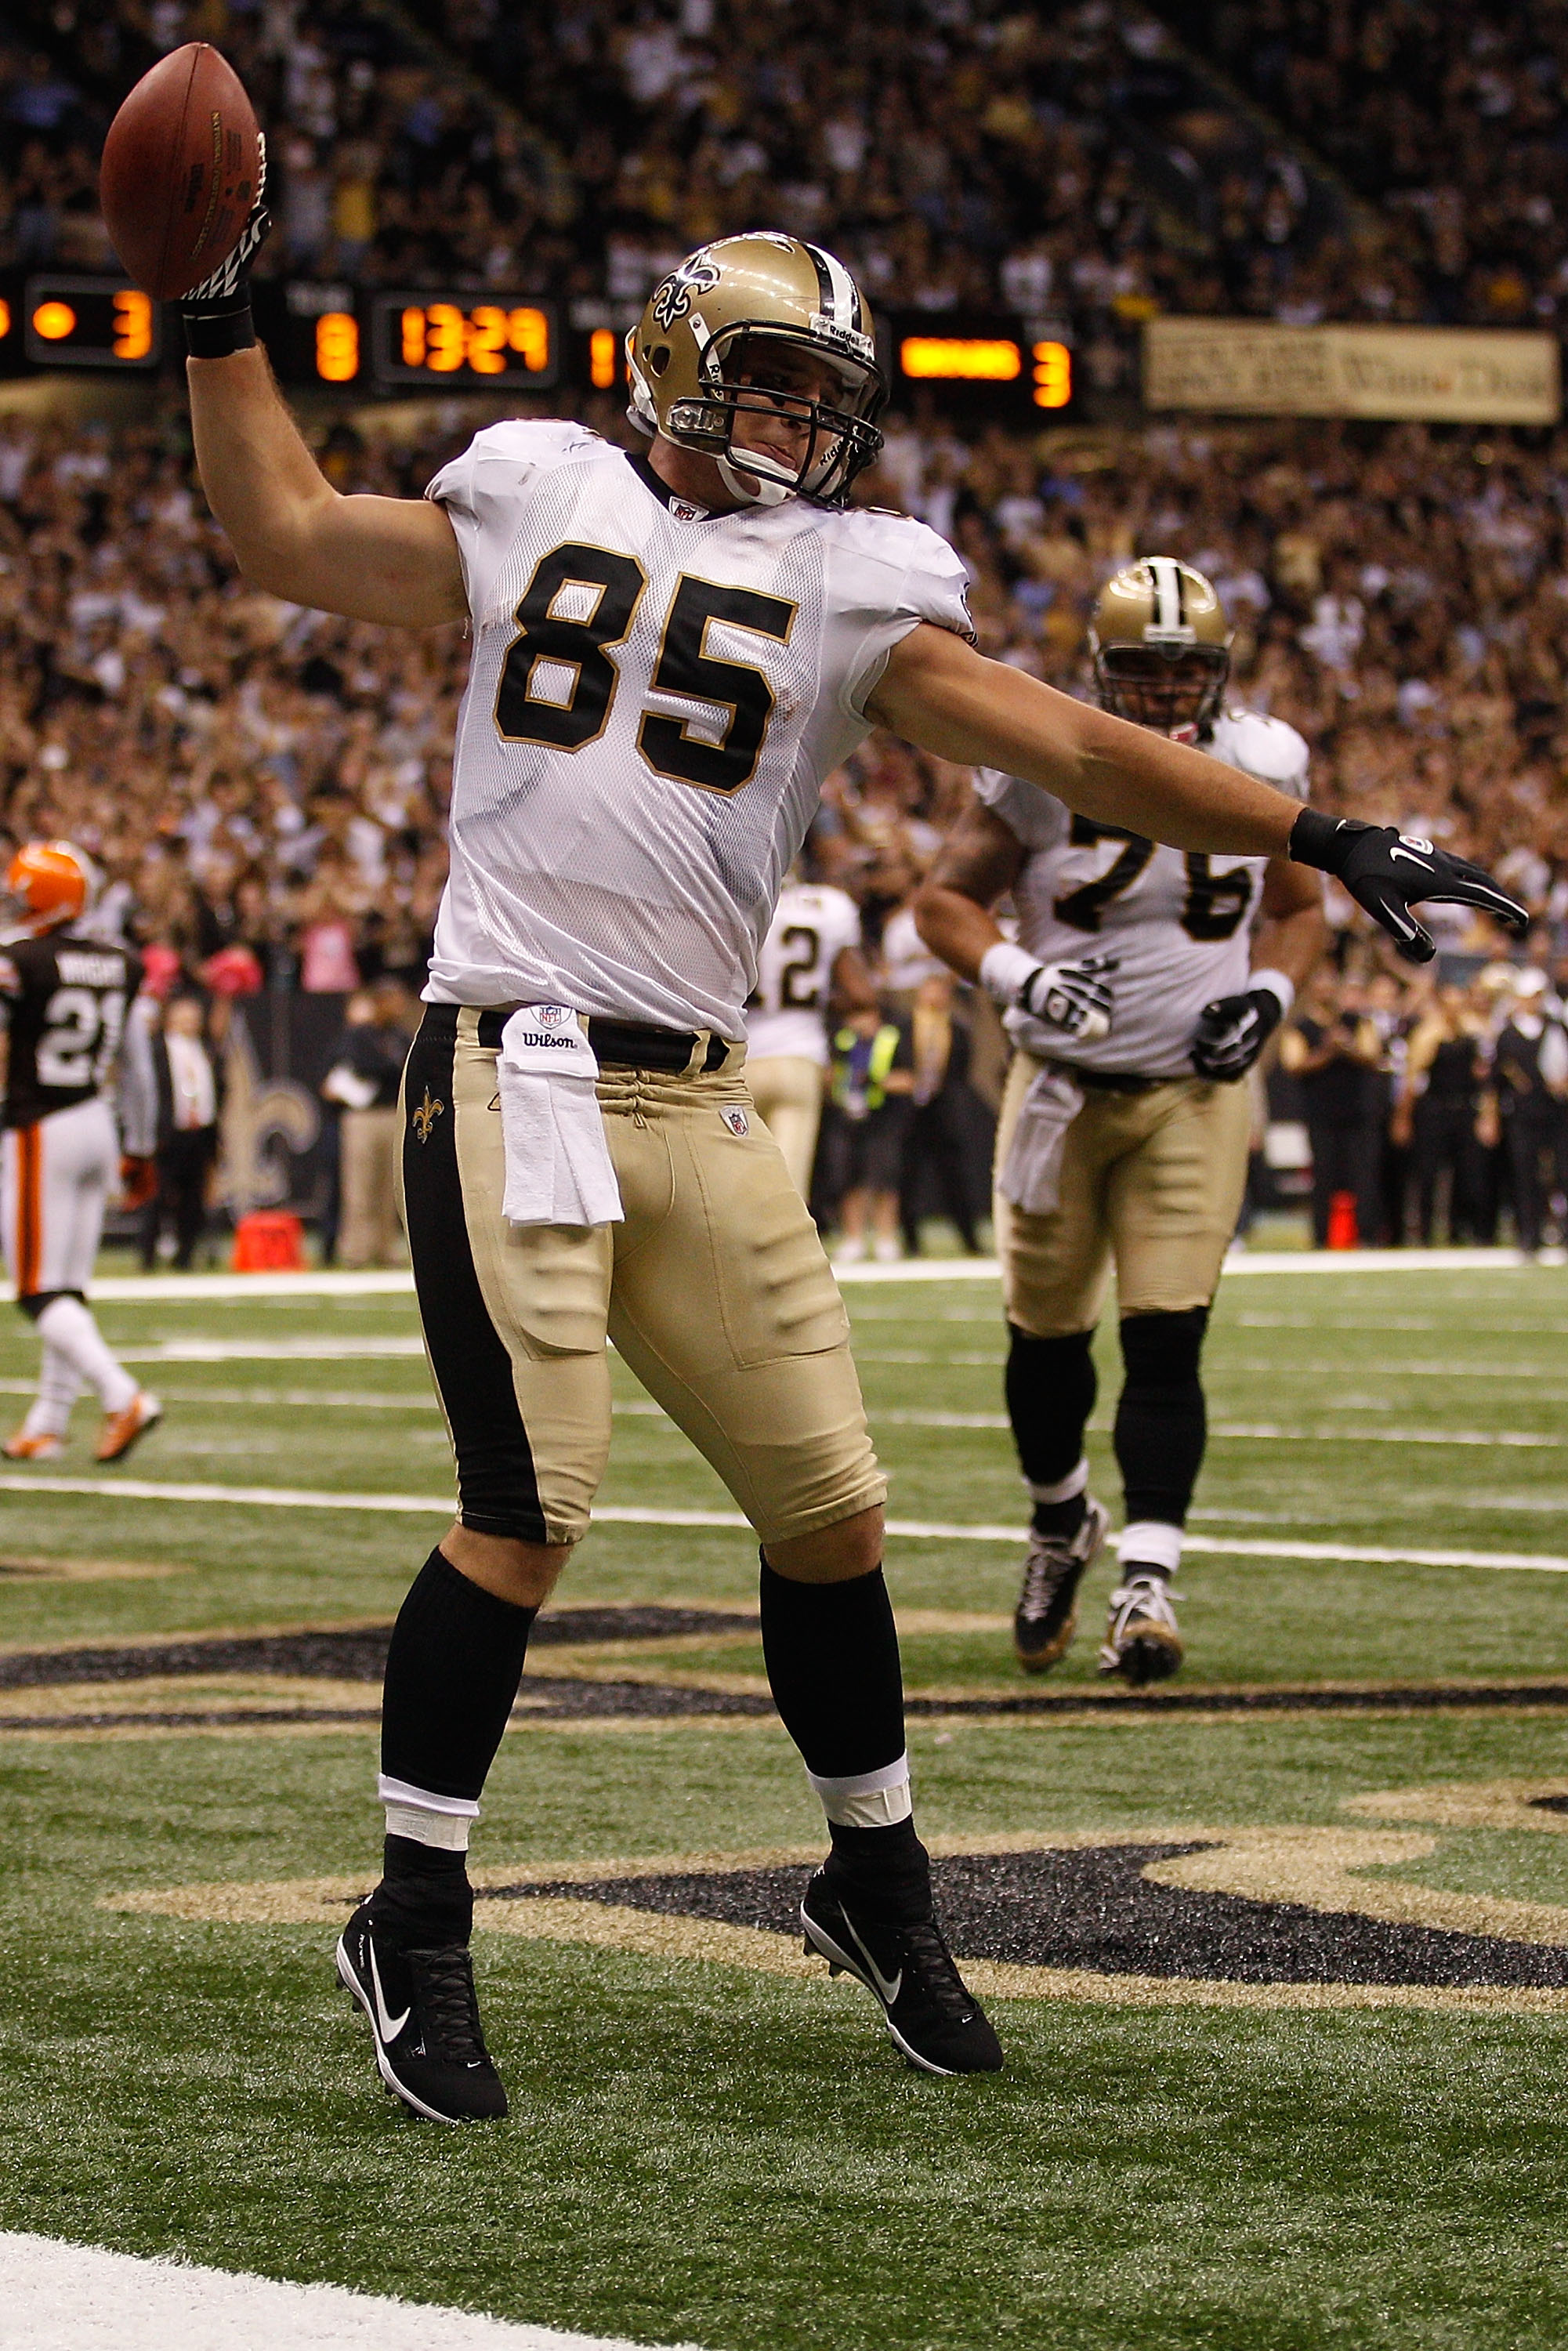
1078	167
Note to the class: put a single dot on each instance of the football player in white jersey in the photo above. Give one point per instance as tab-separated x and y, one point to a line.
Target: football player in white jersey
811	957
1126	1144
671	651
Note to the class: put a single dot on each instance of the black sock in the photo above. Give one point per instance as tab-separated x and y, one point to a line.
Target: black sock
424	1897
453	1669
831	1652
1161	1422
1051	1391
1061	1518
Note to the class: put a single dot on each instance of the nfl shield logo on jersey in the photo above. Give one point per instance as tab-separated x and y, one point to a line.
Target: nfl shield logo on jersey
735	1118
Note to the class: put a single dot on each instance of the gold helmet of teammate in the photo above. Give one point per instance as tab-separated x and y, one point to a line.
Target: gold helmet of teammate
1161	648
765	325
48	884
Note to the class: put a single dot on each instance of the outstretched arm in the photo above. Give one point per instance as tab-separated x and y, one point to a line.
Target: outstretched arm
940	693
943	694
392	560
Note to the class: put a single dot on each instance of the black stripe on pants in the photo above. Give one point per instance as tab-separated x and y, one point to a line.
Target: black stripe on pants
496	1485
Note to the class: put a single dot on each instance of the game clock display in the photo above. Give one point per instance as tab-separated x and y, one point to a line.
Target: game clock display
464	339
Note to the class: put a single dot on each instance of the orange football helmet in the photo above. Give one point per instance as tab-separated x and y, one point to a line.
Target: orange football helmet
47	883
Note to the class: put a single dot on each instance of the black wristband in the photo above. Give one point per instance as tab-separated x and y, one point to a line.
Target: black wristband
212	331
1315	839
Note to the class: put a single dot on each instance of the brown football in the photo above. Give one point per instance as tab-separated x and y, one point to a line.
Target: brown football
179	171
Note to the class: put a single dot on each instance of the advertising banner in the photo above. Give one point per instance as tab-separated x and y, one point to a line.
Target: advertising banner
1457	375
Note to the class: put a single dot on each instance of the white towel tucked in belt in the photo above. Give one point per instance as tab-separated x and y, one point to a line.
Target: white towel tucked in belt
1031	1173
559	1170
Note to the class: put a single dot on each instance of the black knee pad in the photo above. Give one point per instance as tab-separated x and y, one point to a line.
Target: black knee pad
1161	1422
38	1301
1050	1388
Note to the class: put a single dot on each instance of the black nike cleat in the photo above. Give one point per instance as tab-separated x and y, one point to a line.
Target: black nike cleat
424	2021
933	2017
1046	1616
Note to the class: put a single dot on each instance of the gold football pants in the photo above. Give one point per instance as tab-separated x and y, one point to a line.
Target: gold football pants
1151	1183
714	1290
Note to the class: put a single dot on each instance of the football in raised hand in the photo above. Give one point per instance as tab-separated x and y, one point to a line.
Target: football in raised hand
181	168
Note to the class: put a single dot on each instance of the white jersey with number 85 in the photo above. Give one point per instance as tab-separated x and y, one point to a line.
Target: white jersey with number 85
656	694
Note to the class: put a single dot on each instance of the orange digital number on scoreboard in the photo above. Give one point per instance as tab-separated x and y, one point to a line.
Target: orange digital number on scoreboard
337	347
1052	375
487	340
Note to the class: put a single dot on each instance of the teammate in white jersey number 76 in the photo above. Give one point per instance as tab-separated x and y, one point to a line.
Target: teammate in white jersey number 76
671	651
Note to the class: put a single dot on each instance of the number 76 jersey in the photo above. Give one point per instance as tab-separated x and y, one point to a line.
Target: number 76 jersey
655	695
63	1000
1178	922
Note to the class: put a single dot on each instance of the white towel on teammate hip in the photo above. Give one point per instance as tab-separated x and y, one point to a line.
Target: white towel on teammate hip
559	1170
1031	1173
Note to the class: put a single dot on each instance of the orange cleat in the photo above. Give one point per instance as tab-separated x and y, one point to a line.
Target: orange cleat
44	1446
122	1429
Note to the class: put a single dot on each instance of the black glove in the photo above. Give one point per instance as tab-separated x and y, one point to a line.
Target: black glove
1233	1031
1386	871
217	312
1071	997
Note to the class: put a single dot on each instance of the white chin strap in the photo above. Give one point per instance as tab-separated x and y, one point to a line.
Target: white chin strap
753	489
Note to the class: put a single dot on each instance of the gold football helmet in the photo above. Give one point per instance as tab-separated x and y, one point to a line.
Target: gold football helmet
749	325
1160	645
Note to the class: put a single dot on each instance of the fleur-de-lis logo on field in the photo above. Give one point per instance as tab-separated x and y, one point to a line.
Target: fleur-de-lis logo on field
426	1116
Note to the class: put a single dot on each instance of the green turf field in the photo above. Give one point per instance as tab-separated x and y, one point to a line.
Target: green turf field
706	2148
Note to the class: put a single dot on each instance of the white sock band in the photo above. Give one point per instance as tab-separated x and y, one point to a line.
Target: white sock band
402	1791
1075	1482
447	1830
868	1799
68	1326
1150	1542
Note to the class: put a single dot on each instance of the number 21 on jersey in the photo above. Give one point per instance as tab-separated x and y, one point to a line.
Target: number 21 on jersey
560	677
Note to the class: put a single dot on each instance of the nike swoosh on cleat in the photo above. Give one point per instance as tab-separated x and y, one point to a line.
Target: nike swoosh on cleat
388	2027
889	1991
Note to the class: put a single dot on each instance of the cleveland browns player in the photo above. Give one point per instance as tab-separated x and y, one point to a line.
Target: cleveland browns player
63	1001
672	649
1127	1147
811	957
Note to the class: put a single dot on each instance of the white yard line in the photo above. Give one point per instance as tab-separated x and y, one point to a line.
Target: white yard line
171	1287
56	2297
288	1497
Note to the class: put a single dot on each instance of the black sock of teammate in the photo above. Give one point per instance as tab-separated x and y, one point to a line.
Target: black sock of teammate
831	1652
1050	1390
1161	1421
452	1668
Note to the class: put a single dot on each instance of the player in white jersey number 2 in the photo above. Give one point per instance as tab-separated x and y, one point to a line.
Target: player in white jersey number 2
810	957
1126	1144
671	651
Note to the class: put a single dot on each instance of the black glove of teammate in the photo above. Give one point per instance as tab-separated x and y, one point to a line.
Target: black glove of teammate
1233	1031
217	312
1386	871
1071	997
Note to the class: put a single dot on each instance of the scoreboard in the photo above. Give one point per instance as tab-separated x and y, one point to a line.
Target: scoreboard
456	339
94	322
